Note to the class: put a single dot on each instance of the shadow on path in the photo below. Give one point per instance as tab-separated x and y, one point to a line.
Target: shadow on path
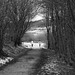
41	62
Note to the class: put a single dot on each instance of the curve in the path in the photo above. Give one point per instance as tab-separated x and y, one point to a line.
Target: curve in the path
24	65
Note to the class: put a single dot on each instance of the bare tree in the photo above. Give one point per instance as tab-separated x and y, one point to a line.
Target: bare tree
14	18
63	23
19	13
3	26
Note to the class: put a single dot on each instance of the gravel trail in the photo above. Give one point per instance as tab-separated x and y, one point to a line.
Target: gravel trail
24	65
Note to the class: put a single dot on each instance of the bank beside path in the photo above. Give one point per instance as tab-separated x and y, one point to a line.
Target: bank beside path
24	65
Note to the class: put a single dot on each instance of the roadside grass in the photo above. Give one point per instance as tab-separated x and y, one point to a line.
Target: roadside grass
14	53
53	66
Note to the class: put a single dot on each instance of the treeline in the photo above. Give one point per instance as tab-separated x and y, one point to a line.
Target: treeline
60	14
14	21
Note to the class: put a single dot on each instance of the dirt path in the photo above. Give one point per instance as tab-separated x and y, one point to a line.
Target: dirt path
24	65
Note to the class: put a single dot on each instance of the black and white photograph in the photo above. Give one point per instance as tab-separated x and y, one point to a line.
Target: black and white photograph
37	37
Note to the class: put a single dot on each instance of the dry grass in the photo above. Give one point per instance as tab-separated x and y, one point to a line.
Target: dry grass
13	51
53	66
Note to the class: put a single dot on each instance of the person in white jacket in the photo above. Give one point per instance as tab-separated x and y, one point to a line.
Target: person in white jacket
39	44
31	44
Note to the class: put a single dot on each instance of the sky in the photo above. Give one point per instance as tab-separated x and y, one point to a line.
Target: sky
38	17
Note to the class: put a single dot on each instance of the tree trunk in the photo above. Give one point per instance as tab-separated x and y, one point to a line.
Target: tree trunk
47	26
2	53
48	38
17	41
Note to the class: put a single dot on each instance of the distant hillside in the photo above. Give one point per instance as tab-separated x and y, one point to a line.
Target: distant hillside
40	23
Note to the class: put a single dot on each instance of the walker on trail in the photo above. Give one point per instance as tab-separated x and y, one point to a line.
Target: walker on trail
35	45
